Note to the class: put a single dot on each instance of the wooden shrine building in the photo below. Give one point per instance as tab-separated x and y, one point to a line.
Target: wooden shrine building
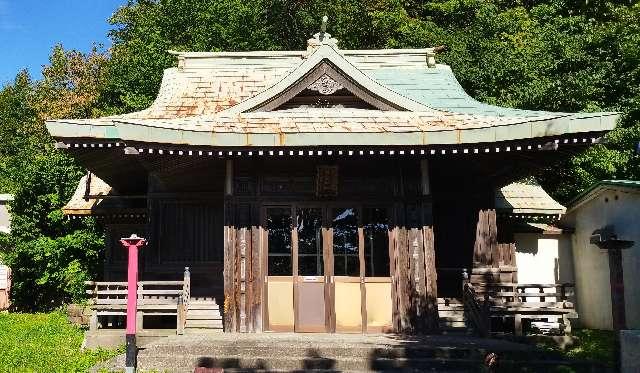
323	190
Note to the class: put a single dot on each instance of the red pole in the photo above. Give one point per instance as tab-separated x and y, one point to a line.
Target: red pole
132	244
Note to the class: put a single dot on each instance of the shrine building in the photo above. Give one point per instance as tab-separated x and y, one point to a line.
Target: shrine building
323	190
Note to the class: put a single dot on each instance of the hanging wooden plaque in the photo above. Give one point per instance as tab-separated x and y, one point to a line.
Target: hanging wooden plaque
327	181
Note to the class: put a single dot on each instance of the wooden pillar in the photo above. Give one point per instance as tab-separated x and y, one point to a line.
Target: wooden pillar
616	278
413	272
255	279
427	260
430	302
229	270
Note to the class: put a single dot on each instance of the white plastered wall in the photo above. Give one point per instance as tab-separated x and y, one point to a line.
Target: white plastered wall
543	258
620	208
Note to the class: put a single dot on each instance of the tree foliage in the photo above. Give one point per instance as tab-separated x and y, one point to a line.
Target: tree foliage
51	256
556	55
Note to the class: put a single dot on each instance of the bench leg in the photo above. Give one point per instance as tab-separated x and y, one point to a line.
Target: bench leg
139	320
93	321
517	325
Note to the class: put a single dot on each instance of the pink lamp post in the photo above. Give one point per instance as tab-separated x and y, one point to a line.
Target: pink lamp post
132	244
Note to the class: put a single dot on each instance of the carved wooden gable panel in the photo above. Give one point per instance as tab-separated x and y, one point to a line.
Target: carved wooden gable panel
326	86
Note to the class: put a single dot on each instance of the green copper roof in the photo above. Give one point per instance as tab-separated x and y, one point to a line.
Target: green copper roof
439	89
593	189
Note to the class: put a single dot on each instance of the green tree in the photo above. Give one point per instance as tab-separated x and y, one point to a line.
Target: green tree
51	255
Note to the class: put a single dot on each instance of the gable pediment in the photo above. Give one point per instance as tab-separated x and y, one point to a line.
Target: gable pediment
326	86
327	79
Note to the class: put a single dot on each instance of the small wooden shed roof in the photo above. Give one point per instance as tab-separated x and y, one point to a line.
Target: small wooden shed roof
94	197
526	199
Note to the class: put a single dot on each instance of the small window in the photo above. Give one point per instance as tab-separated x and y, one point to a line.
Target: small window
376	241
279	241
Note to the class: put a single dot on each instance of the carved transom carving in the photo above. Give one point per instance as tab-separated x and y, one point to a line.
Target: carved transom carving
325	85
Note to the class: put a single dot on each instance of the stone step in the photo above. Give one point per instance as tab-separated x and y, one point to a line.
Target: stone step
203	306
449	301
208	316
203	311
202	331
329	353
204	323
186	363
452	318
337	351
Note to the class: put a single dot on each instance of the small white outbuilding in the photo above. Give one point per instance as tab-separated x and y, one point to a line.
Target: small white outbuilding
614	204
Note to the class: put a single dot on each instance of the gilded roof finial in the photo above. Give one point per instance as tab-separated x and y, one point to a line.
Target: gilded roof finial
322	37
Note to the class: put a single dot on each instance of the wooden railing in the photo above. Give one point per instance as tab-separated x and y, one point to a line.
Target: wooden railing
520	301
477	311
109	298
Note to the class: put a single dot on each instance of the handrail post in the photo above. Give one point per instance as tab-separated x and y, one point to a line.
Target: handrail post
140	292
183	307
465	279
186	286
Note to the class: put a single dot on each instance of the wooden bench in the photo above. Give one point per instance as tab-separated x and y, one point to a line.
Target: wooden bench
155	298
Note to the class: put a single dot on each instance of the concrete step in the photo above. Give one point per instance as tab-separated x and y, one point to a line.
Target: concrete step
196	307
208	316
201	313
186	363
203	331
332	353
204	323
203	310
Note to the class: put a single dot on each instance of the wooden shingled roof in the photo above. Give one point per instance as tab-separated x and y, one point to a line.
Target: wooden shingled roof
526	199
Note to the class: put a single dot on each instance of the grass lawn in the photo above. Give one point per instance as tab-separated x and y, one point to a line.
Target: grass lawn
44	342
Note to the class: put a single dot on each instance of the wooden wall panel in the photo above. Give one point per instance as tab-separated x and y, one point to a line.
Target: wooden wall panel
430	302
229	263
255	279
414	281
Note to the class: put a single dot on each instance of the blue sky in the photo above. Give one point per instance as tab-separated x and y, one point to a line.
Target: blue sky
30	28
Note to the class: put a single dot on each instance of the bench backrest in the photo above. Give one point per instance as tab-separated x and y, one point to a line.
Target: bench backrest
149	292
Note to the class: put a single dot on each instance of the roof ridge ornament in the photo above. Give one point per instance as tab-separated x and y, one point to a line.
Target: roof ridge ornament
322	37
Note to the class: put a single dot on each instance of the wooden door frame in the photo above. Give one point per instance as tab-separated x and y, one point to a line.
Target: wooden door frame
265	264
296	276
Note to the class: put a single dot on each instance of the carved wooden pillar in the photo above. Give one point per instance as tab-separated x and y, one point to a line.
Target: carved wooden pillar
414	279
229	271
428	306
